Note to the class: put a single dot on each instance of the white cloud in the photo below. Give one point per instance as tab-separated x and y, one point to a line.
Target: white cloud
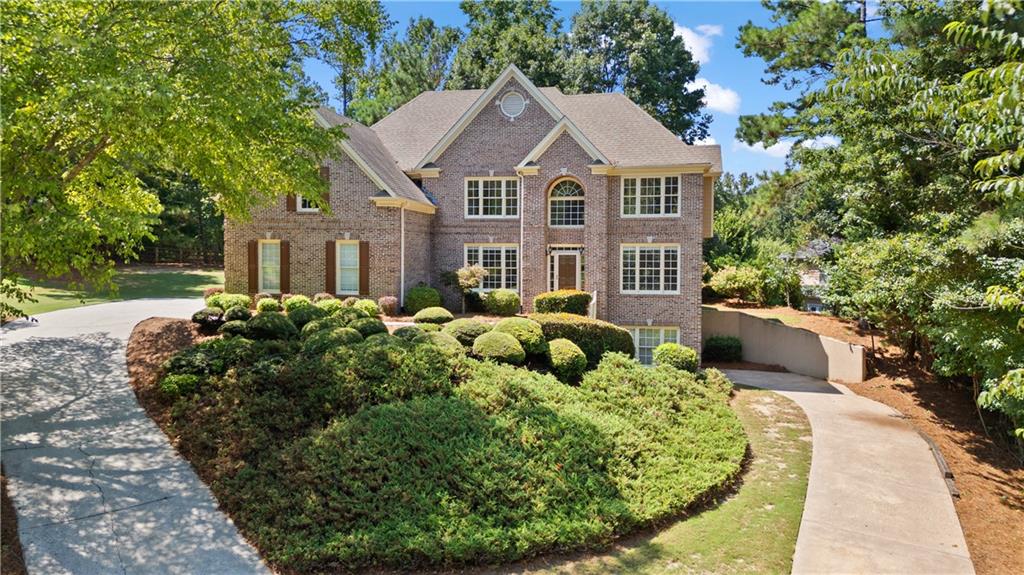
777	150
698	41
821	142
709	141
716	97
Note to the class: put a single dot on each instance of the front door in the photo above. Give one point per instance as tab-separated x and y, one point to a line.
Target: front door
567	270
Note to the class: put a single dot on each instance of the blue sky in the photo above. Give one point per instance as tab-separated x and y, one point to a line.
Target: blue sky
709	29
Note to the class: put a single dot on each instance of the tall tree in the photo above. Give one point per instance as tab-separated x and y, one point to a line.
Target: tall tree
419	62
502	32
93	94
632	47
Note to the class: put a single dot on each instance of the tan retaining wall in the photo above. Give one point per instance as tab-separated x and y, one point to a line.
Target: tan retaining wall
798	350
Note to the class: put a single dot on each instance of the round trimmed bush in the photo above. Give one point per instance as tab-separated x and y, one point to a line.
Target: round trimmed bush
500	347
228	300
466	330
433	315
446	343
388	305
267	304
349	314
233	328
329	305
563	301
322	296
593	336
237	313
368	326
367	306
723	348
568	361
409	332
176	385
271	325
677	356
421	297
502	302
305	313
210	291
349	301
321	324
292	302
527	332
386	339
325	340
430	327
209	317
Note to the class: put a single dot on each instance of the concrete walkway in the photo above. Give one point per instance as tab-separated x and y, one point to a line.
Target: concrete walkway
97	486
876	501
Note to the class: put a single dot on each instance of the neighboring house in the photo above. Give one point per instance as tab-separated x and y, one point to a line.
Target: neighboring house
545	190
813	280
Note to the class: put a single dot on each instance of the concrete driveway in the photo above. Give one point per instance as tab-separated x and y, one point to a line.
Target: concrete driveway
876	501
97	486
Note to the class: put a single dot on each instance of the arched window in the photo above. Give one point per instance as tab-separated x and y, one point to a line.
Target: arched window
565	204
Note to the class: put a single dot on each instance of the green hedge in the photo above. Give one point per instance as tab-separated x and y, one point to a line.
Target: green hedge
593	336
328	339
433	315
233	328
409	332
330	305
567	360
271	325
209	317
368	326
499	346
268	304
421	297
677	356
466	330
563	301
301	314
367	306
722	348
446	343
228	300
504	302
527	332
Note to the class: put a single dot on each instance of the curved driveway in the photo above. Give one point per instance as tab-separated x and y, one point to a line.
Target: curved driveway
876	501
97	486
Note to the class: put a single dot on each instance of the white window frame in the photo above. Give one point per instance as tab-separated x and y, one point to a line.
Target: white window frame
504	198
259	265
337	266
553	200
634	330
661	186
623	248
306	210
505	248
554	252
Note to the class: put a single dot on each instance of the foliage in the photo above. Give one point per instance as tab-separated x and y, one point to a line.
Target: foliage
228	300
175	385
567	360
429	327
302	313
421	297
322	296
237	313
190	219
295	301
527	332
724	348
409	332
563	301
499	346
367	306
466	330
593	336
433	315
741	283
368	326
388	305
268	304
330	306
349	314
349	301
236	327
332	322
324	340
87	91
271	325
677	356
503	302
716	381
209	317
448	345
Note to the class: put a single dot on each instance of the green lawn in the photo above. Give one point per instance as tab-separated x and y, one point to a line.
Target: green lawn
133	283
753	531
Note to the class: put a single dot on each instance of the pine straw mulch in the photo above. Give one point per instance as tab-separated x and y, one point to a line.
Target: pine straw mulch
12	561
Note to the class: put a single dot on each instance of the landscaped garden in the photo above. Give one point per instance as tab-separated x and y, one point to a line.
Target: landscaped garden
336	444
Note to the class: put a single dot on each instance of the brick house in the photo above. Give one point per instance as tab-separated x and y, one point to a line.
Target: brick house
545	190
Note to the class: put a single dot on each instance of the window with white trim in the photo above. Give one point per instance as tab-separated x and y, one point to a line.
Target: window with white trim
565	205
492	197
304	205
649	268
646	339
650	196
270	266
501	262
347	254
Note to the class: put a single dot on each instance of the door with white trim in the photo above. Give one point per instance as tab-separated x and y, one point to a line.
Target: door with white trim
565	270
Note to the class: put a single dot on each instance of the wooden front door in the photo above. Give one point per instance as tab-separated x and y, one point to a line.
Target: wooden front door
567	269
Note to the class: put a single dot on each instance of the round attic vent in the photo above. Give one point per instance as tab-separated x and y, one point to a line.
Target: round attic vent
512	104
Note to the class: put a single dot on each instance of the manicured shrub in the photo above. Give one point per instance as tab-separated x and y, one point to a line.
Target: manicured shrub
433	315
716	382
330	305
349	314
271	325
466	330
409	332
293	301
261	296
325	340
177	385
367	306
211	357
499	346
228	300
593	336
386	339
349	301
722	348
677	356
430	327
368	326
233	328
237	313
446	343
212	290
567	360
328	323
267	304
322	296
563	301
388	305
502	302
527	332
301	314
209	317
421	297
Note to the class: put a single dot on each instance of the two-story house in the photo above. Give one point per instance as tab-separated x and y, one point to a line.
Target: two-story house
543	189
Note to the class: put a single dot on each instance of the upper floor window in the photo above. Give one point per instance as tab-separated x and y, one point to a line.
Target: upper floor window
501	262
565	205
512	104
650	196
492	197
305	205
649	268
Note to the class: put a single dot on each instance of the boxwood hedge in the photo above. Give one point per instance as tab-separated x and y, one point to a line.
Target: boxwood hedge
593	336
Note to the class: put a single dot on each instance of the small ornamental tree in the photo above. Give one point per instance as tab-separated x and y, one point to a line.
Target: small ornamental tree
465	279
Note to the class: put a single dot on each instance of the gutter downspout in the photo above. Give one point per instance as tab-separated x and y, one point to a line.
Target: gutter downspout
401	265
522	248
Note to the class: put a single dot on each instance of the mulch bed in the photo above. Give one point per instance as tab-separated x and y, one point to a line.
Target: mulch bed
12	561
